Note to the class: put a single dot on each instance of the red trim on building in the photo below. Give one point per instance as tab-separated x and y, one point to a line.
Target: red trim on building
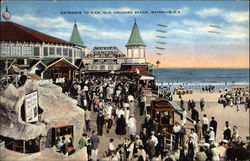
143	69
11	31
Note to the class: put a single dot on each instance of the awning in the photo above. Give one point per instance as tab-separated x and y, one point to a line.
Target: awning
138	69
144	77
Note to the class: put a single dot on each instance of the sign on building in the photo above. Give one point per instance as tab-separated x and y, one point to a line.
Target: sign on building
106	52
31	107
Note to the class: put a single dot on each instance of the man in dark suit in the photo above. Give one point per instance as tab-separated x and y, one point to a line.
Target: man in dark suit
99	123
94	140
227	132
213	123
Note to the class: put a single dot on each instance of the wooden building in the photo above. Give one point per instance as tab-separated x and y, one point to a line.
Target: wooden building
164	112
59	68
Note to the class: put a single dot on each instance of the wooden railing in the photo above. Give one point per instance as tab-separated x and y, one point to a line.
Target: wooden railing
169	140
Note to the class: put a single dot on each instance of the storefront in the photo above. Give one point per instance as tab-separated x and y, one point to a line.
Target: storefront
59	68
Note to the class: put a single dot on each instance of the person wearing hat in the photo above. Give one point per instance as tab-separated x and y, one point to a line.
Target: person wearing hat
132	106
100	123
138	142
204	121
184	116
201	155
222	150
88	116
83	143
213	123
121	126
126	114
211	135
195	136
143	136
94	142
227	131
231	152
208	151
143	100
132	125
184	153
191	147
215	152
176	130
198	131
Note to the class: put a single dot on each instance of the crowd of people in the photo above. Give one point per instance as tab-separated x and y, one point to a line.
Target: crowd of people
202	143
209	88
114	99
235	98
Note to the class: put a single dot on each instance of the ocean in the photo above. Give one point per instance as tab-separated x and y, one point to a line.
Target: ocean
198	78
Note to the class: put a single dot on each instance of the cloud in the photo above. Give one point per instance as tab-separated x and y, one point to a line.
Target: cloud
61	28
236	16
42	22
209	12
193	30
183	33
228	16
236	32
184	10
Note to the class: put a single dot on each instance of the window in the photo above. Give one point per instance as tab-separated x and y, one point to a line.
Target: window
70	52
45	51
27	50
17	50
58	51
77	53
52	51
5	49
65	52
36	51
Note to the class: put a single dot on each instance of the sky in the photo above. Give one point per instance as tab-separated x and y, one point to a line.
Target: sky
190	40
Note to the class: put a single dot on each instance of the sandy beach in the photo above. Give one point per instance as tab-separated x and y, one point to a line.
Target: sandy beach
213	108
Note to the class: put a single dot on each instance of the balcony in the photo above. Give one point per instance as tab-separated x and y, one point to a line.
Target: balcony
103	67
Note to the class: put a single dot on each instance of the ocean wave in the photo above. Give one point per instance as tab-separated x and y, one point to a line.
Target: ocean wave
204	84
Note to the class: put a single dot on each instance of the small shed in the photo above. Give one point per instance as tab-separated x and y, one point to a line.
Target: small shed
59	68
163	111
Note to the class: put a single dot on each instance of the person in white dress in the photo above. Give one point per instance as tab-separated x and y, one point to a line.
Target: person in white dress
211	135
132	125
184	116
127	113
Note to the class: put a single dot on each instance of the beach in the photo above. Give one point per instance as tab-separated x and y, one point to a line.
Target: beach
213	108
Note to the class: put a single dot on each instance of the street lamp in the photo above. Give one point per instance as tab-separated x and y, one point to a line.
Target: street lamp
162	30
158	77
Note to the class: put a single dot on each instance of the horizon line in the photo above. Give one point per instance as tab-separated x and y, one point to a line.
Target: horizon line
201	68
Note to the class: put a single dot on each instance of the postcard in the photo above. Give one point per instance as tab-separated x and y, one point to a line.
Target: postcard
124	80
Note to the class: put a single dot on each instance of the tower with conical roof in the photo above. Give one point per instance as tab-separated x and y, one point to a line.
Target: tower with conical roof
75	37
135	45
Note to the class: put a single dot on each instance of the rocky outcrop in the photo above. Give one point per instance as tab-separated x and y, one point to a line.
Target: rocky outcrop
58	110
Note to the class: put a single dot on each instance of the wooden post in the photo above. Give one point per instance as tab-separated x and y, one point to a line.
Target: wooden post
24	150
173	117
171	141
13	146
69	75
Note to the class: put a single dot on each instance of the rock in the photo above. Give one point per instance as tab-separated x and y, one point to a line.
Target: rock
58	110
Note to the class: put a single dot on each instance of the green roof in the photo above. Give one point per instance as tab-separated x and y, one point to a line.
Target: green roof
135	37
75	37
48	61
